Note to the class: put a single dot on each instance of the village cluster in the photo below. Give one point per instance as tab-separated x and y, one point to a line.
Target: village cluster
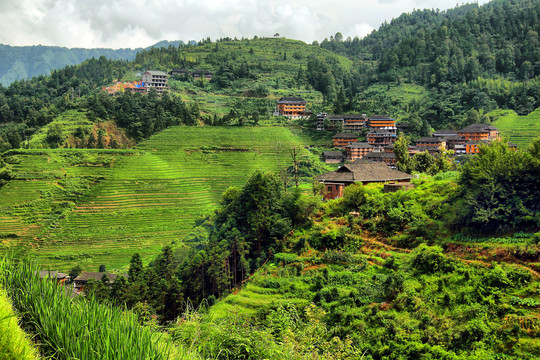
374	161
364	162
382	133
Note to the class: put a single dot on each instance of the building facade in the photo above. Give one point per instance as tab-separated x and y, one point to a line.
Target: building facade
479	132
358	150
381	138
343	139
431	142
382	122
291	107
156	80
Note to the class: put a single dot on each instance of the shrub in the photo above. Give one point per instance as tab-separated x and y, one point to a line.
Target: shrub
285	258
430	259
332	238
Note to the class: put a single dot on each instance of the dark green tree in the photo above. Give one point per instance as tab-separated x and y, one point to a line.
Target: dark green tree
135	268
499	189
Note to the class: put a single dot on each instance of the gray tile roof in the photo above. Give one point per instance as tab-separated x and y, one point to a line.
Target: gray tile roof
85	276
156	73
364	172
478	128
52	274
360	145
345	136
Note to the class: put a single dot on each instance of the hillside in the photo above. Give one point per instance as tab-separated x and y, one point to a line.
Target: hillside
25	62
260	68
519	129
139	199
487	63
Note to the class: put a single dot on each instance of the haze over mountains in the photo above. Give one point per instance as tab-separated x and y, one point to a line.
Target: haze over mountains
24	62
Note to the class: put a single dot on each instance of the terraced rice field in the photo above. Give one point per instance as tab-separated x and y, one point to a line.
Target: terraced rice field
521	130
92	207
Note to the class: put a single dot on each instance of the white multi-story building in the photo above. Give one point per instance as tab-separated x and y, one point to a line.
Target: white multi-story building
156	79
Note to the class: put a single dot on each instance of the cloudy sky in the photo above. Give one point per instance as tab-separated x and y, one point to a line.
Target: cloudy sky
140	23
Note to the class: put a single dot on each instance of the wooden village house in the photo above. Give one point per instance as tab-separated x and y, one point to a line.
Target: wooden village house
80	281
291	107
358	150
363	173
57	276
332	157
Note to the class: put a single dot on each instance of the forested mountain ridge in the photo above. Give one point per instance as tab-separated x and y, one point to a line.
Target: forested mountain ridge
428	68
472	60
25	62
500	36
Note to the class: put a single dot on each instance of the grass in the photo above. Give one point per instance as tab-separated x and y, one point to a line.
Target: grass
69	120
14	342
520	130
91	207
79	328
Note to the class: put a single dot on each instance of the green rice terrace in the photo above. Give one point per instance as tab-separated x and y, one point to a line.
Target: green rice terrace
521	130
92	207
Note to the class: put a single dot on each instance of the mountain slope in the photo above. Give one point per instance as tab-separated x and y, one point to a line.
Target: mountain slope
24	62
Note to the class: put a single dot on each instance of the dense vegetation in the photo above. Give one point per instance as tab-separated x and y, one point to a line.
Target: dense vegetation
289	271
75	327
447	270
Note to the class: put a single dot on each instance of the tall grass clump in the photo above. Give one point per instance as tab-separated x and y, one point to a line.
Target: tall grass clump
78	328
14	343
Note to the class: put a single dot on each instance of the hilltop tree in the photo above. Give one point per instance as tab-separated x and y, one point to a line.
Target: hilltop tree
499	187
75	271
135	268
54	135
401	150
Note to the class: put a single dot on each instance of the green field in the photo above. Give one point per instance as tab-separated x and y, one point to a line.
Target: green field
92	207
521	130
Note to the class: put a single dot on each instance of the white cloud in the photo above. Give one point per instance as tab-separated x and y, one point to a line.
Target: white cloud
139	23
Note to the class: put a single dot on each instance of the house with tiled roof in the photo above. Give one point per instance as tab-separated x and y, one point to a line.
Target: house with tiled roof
354	122
291	107
179	72
359	173
80	281
431	142
332	157
479	132
382	122
199	74
381	138
347	122
55	275
389	158
444	133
